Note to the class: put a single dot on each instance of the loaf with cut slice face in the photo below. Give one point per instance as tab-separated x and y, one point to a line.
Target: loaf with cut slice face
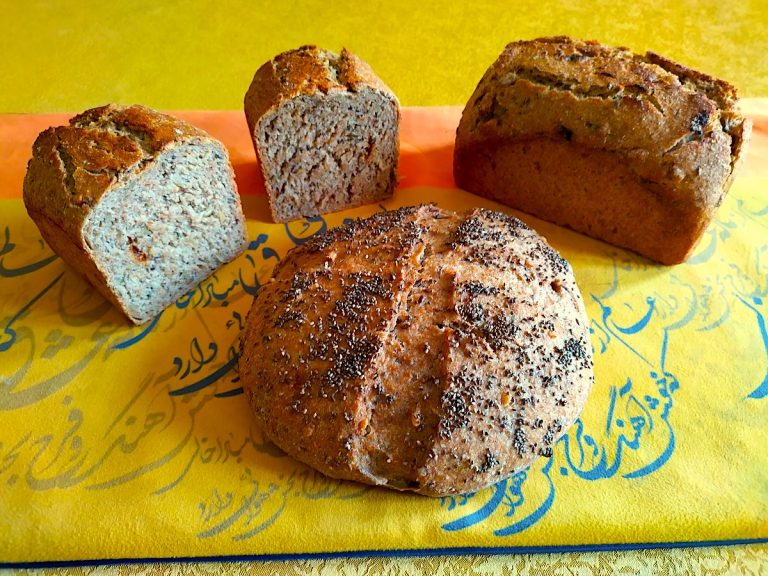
144	205
325	130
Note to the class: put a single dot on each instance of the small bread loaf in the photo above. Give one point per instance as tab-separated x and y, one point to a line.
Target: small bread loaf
326	132
634	150
419	349
144	205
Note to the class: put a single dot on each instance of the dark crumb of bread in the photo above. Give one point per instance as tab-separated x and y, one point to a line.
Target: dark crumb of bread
325	130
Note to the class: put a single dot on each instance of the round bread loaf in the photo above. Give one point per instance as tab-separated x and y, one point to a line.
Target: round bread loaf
419	349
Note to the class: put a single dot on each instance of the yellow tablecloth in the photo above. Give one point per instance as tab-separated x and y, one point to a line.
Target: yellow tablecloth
121	442
70	55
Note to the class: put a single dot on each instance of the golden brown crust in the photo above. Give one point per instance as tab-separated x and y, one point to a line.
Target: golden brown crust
419	349
306	71
153	131
677	132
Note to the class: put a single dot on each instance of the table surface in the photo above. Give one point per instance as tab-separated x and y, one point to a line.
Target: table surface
68	56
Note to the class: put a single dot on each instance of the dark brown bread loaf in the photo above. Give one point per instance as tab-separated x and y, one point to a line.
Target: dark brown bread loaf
326	132
634	150
419	349
141	203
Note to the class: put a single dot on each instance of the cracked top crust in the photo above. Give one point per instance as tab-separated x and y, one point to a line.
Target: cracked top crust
679	129
419	349
82	161
306	71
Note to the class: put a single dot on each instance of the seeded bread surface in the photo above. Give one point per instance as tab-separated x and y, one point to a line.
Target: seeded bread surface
325	130
419	349
635	150
142	204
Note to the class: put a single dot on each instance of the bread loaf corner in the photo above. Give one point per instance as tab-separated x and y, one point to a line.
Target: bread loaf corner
142	204
325	130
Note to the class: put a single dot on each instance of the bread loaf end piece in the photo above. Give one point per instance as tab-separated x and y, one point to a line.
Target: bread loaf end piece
144	205
325	130
635	150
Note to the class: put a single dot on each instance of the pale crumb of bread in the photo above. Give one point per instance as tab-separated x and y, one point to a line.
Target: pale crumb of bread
157	236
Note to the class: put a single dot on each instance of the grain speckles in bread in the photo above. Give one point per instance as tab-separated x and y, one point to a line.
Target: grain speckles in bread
325	130
634	150
141	203
419	349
